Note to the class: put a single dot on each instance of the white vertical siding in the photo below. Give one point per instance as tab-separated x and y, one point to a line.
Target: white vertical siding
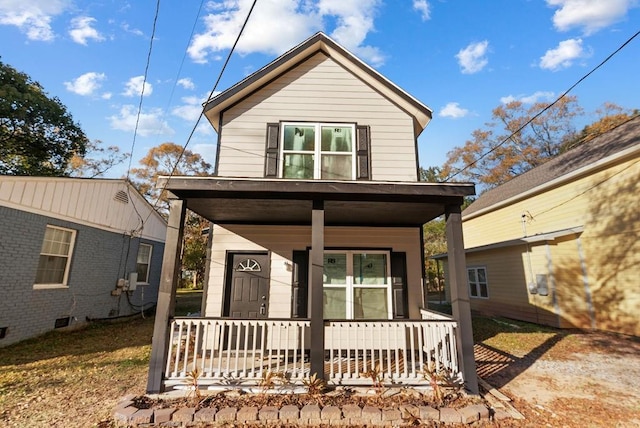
89	202
319	90
282	240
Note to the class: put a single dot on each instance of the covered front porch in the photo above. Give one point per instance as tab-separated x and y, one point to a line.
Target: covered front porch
396	351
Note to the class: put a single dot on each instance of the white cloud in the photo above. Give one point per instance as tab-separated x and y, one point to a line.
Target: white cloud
106	96
423	7
206	150
528	99
81	30
186	83
32	17
590	15
297	19
127	28
86	84
562	56
473	58
150	123
453	110
133	87
190	112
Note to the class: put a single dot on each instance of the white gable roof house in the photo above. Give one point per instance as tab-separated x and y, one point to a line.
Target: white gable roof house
73	250
316	244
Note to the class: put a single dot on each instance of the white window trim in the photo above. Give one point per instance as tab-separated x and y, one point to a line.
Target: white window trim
477	285
351	285
318	152
65	278
146	281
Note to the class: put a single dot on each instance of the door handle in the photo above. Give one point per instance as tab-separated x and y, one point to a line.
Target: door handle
263	309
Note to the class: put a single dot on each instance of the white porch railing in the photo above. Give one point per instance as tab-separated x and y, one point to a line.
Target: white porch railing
227	351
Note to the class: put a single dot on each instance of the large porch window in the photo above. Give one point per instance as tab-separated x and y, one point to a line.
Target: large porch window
357	285
318	151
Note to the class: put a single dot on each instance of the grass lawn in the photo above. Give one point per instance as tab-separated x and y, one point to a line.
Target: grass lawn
74	379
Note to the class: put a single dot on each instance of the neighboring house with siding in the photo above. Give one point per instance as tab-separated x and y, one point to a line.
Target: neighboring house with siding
317	218
68	247
560	244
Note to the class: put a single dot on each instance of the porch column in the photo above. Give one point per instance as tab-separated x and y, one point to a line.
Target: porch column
460	296
315	289
166	296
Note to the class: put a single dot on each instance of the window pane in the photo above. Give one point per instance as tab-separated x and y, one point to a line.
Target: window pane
334	302
472	275
370	268
299	137
472	289
336	167
143	271
51	270
483	290
336	138
370	303
482	275
298	166
335	268
144	253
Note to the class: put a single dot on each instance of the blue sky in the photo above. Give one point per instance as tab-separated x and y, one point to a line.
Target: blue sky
462	58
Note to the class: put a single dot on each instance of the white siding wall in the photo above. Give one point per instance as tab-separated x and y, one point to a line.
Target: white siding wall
319	90
85	201
282	240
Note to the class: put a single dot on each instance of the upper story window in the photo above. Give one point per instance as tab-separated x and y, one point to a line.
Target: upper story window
55	257
318	151
477	279
327	151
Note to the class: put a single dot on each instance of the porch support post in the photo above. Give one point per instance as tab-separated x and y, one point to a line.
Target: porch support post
460	296
166	296
315	289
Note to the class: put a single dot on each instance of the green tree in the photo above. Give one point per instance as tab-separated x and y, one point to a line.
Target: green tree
170	159
37	134
502	151
432	174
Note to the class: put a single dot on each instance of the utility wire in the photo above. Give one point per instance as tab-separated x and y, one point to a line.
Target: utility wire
213	89
144	82
494	148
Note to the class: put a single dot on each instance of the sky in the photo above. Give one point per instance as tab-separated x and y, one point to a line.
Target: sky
462	58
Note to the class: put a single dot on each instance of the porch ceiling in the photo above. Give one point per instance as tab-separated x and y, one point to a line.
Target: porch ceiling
260	201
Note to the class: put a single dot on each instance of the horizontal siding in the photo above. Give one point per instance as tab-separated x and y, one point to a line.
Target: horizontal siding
605	204
282	240
317	91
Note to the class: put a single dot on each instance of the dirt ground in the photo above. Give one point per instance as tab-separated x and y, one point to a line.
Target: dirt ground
568	379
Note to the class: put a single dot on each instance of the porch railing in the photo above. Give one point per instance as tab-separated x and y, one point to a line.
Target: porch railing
240	352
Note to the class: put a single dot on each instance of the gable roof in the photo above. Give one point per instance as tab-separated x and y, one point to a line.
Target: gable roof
618	143
319	42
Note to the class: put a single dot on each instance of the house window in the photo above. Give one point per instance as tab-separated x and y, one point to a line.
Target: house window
143	262
357	285
318	151
55	257
478	287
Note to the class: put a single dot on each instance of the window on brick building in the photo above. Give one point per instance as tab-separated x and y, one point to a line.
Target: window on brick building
143	262
55	257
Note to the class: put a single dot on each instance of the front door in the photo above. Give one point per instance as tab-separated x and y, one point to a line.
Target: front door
249	285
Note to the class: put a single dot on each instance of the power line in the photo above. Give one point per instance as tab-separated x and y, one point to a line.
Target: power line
494	148
213	89
144	82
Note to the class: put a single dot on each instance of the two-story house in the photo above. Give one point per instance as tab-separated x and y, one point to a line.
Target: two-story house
316	263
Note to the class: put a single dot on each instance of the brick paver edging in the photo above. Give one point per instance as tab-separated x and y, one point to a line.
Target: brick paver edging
126	414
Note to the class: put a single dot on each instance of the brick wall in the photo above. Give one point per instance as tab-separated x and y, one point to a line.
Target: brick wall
99	259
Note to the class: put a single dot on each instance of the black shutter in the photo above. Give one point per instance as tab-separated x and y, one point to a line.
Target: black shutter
272	151
299	284
363	153
399	284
